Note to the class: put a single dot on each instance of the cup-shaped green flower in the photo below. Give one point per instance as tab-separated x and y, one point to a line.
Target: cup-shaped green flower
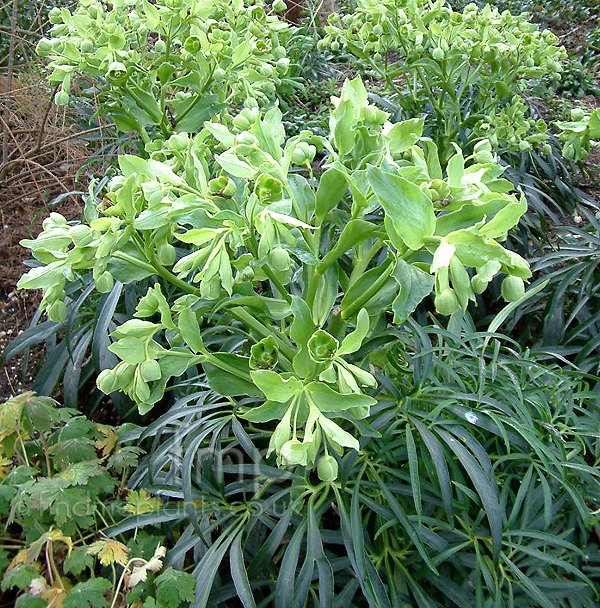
222	186
116	73
268	189
192	44
322	346
264	354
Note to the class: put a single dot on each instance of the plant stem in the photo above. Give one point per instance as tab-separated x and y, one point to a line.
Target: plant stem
245	317
45	444
280	288
129	258
371	291
363	262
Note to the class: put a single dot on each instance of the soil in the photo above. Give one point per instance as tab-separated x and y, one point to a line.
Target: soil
30	180
16	310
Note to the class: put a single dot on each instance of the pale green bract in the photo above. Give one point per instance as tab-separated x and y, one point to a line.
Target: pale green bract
235	220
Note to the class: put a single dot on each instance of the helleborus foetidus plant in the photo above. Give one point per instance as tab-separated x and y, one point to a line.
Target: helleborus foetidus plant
463	68
579	134
239	229
164	67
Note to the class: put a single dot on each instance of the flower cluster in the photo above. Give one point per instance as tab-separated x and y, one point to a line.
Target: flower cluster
170	65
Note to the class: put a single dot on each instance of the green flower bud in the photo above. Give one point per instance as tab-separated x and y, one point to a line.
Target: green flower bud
81	234
279	259
335	46
105	282
293	453
513	288
246	138
478	284
483	152
303	153
142	391
378	30
327	468
322	346
87	46
107	381
244	149
374	115
246	275
439	188
524	145
55	15
547	149
166	254
54	219
241	122
569	151
178	142
267	87
251	114
160	46
264	354
279	6
279	52
266	70
282	66
150	370
446	302
219	75
61	99
268	189
438	53
57	312
577	114
250	102
44	47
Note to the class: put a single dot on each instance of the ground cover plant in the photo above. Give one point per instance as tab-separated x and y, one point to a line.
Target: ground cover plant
59	475
290	318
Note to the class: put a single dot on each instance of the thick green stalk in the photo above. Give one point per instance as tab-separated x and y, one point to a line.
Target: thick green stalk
371	291
362	263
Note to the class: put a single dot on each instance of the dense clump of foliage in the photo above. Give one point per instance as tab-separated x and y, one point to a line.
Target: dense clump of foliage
467	69
289	314
166	67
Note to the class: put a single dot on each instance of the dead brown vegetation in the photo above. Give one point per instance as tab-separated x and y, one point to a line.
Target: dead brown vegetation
43	155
